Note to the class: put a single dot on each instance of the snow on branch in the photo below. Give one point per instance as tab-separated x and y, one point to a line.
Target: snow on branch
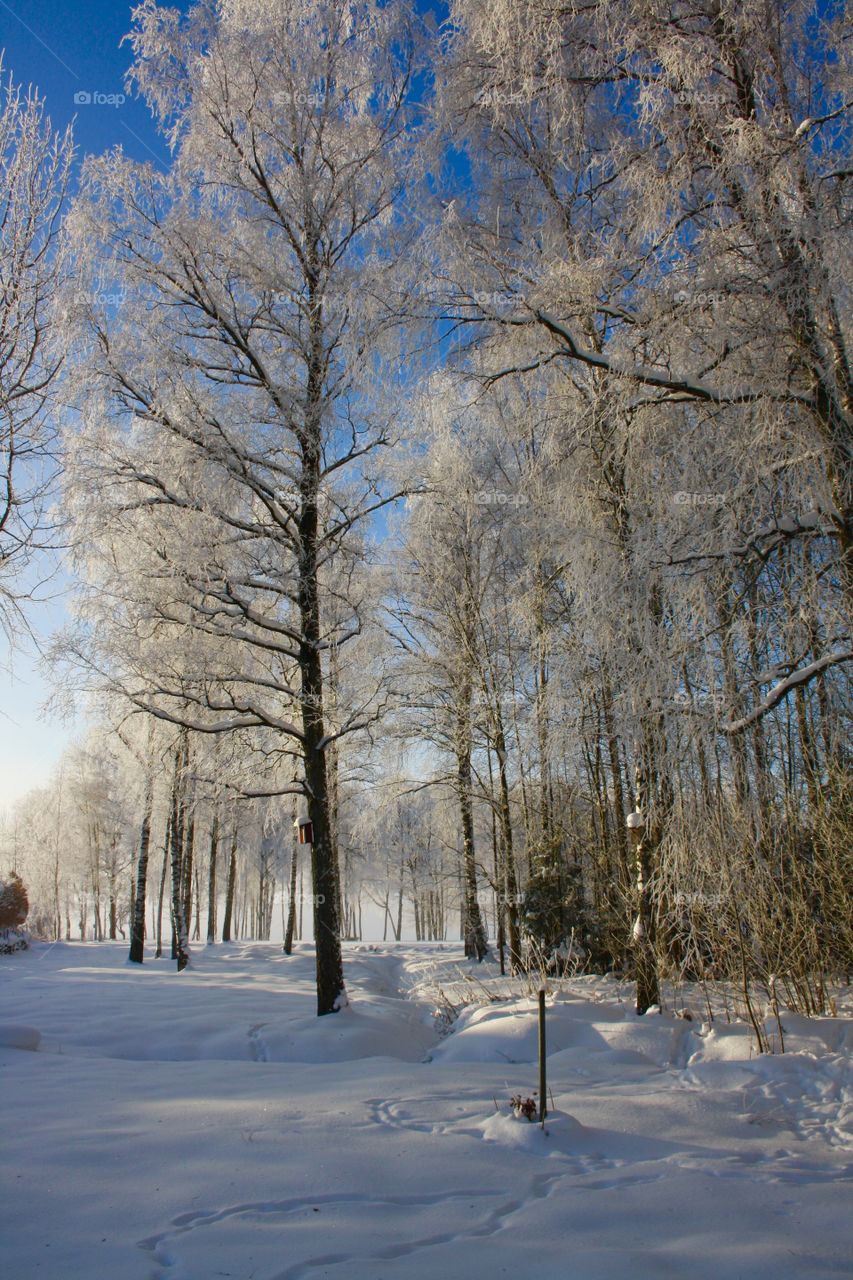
797	679
766	539
814	122
689	387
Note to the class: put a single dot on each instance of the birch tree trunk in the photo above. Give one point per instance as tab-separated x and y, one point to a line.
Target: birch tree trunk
476	945
230	888
211	877
179	922
291	906
137	932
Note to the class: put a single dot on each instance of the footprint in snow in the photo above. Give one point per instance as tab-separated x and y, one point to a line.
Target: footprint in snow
258	1047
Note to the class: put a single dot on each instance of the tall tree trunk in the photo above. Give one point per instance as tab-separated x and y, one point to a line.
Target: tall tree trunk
197	925
230	887
398	927
188	849
475	933
645	958
177	828
179	921
497	873
211	878
291	906
324	865
509	884
332	772
166	846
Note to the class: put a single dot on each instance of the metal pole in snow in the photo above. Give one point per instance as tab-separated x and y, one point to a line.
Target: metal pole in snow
543	1083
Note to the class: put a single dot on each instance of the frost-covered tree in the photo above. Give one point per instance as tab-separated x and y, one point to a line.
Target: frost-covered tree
69	838
234	434
654	239
665	219
451	604
34	168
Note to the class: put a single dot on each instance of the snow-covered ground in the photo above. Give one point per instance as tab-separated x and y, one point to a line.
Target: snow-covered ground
186	1127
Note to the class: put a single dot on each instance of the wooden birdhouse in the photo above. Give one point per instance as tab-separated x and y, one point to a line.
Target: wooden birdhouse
304	827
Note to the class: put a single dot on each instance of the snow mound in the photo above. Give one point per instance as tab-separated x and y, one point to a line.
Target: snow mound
525	1135
576	1028
367	1027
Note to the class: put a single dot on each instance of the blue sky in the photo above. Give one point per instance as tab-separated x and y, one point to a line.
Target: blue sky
71	51
62	49
67	49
